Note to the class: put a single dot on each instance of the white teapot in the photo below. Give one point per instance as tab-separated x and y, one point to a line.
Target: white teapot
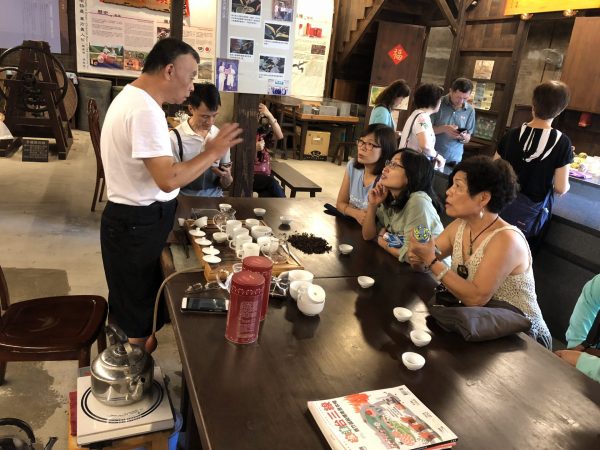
311	300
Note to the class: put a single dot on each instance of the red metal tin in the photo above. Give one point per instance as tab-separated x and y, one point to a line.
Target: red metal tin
264	267
243	318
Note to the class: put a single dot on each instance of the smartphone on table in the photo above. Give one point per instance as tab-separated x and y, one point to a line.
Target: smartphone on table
209	305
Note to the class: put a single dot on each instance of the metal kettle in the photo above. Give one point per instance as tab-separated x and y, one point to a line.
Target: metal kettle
122	373
15	443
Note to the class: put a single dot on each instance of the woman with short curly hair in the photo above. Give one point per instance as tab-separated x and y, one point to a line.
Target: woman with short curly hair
490	258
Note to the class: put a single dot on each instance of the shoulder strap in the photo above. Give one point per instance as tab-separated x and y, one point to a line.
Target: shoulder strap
410	129
179	143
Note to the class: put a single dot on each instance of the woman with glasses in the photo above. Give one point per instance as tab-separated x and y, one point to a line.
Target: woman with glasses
402	200
490	258
375	146
418	131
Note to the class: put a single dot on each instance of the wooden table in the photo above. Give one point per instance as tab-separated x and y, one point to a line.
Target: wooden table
507	393
292	106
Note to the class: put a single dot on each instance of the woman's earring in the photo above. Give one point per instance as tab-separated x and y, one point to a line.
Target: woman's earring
481	214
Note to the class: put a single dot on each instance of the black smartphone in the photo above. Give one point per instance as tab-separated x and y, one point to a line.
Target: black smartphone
205	305
461	130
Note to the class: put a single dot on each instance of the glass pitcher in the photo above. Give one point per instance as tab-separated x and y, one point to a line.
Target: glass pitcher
222	217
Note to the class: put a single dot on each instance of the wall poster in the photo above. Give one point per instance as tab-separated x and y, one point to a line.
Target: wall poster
256	41
114	37
311	49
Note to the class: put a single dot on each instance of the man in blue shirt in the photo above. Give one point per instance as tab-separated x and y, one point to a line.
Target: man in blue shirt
454	123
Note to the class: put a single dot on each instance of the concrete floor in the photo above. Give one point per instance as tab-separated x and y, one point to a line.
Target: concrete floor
50	246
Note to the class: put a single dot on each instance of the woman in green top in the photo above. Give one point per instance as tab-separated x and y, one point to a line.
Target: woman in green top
402	199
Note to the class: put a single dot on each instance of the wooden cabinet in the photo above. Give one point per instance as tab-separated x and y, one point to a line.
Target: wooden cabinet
581	70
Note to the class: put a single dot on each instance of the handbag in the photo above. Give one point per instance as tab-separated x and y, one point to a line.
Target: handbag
527	215
262	163
476	323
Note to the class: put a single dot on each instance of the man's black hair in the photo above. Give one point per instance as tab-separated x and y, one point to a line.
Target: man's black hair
165	52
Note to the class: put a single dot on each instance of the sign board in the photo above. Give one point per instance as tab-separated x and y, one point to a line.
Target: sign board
35	150
514	7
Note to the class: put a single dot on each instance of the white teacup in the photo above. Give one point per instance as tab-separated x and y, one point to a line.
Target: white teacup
201	222
219	237
263	240
181	221
240	231
231	225
296	287
224	207
298	274
252	222
261	230
238	241
250	249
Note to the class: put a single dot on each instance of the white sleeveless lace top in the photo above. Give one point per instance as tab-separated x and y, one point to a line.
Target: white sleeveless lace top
518	290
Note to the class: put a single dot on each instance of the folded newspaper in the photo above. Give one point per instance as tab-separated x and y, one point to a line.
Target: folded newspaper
384	419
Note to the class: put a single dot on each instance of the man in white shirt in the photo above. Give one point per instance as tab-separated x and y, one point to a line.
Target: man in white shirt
143	180
190	137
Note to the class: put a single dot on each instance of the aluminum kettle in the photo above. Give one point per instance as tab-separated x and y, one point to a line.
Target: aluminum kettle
9	442
123	373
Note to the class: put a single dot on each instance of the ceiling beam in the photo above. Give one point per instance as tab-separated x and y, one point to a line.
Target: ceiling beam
448	15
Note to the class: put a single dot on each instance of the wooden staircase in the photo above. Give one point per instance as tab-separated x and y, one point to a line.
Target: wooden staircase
357	29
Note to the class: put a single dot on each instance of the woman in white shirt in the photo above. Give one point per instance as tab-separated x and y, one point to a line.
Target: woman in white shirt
418	131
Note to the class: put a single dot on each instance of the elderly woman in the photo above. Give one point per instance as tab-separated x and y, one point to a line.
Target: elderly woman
402	200
490	258
375	147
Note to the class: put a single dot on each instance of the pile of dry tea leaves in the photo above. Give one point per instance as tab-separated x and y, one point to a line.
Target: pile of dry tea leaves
309	243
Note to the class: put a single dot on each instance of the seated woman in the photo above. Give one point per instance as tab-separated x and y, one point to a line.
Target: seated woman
402	200
269	131
585	359
375	146
493	260
418	131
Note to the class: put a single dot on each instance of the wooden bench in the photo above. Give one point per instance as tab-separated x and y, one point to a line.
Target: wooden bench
291	178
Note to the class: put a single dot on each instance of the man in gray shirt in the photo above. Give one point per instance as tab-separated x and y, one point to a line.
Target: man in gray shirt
454	123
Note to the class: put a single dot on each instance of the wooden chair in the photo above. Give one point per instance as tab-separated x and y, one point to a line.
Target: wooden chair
94	126
287	122
51	328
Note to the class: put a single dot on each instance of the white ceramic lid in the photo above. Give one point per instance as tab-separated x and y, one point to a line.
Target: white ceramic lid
315	293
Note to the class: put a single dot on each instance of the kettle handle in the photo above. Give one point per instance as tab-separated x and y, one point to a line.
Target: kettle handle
115	335
11	421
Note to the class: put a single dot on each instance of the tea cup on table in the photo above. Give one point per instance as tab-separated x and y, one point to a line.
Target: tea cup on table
220	237
296	287
261	230
252	223
238	241
224	207
299	274
249	249
201	222
240	231
231	225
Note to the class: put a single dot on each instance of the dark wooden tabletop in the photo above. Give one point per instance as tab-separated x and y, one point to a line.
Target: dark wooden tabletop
507	393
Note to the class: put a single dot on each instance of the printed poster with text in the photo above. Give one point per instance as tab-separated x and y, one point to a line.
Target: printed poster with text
255	46
313	36
114	37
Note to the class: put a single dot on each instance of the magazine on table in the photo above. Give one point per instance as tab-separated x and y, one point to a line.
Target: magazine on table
383	419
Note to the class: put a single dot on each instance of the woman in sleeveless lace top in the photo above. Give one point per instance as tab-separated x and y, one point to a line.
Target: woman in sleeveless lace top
490	258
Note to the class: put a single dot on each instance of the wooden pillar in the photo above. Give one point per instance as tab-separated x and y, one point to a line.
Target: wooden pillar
176	20
246	114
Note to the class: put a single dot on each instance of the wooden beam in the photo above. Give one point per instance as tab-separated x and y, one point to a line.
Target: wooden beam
176	20
246	114
356	35
445	9
455	53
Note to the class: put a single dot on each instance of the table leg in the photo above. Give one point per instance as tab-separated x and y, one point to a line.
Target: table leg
349	137
312	193
303	138
292	193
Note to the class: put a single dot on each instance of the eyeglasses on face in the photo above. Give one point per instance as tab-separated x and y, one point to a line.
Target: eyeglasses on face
393	164
368	145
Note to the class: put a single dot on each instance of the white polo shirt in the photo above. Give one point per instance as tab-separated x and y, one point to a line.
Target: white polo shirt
134	128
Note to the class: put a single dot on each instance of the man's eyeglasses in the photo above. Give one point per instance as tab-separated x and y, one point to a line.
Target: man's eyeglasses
393	164
368	145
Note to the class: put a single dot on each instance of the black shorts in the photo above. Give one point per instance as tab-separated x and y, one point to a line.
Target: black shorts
132	239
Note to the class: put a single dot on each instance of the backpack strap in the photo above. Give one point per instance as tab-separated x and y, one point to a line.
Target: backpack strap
179	143
410	129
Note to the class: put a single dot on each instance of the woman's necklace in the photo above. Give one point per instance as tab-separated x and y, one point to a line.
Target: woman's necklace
478	234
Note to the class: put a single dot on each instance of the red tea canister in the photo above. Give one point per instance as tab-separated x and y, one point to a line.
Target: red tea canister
264	267
243	318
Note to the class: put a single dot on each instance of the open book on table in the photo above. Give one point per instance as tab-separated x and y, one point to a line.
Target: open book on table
384	419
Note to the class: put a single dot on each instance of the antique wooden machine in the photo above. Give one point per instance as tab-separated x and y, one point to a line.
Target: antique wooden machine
33	86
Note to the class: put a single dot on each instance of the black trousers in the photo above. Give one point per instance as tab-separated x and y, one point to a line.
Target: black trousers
132	239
